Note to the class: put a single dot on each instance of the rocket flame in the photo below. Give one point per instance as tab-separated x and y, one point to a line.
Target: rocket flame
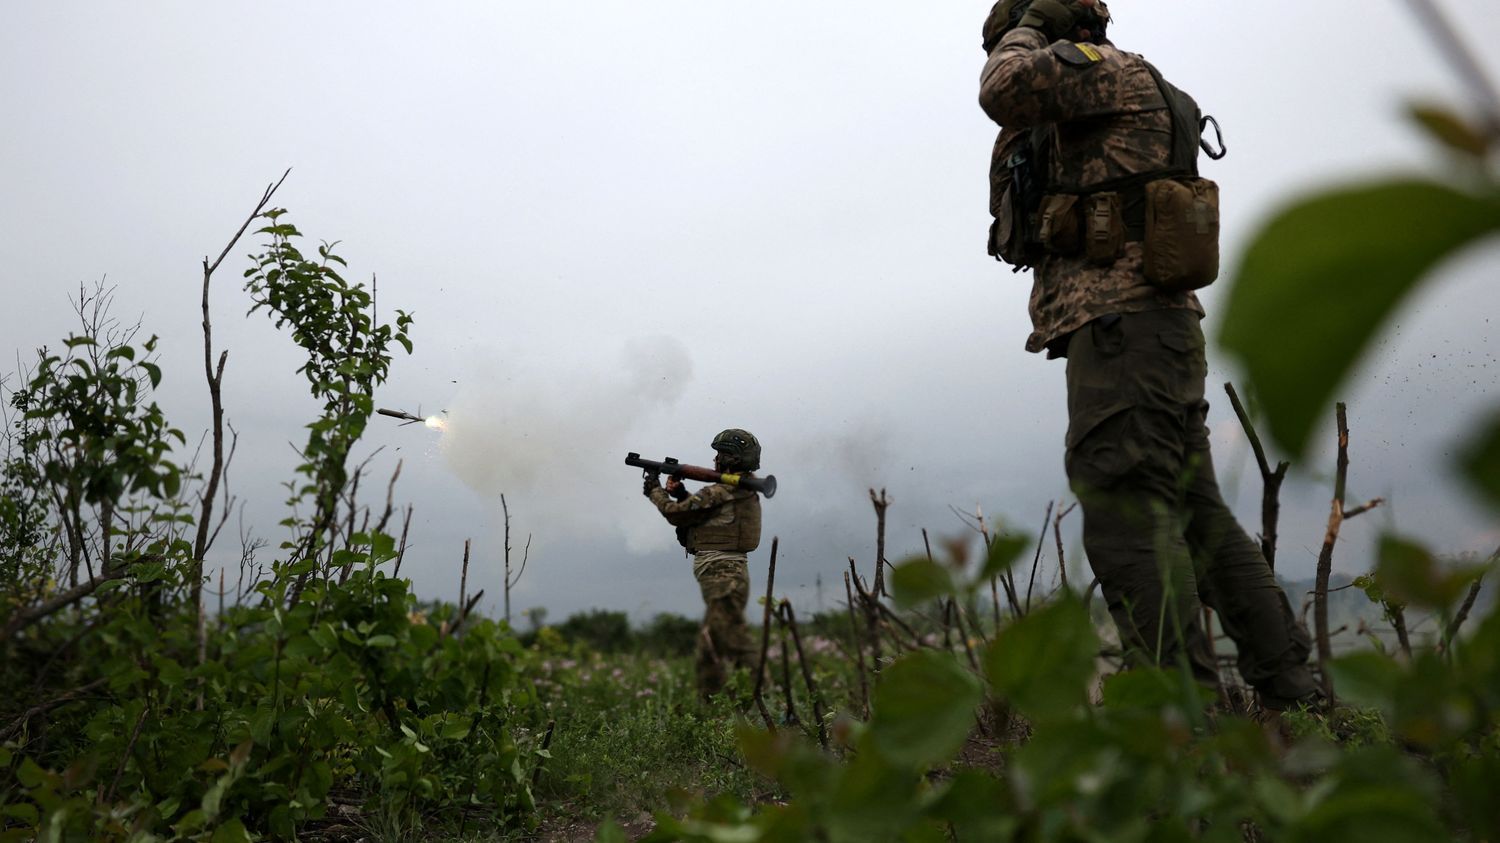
436	423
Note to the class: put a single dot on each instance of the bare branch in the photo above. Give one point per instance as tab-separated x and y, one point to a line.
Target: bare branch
1271	480
765	639
42	708
26	617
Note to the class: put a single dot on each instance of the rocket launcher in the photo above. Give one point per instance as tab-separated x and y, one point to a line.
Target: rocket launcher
672	468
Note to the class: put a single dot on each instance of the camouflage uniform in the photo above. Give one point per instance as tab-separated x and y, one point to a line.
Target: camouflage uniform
719	525
1157	532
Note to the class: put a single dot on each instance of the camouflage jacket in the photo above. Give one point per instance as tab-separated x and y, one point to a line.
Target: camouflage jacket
1110	121
717	517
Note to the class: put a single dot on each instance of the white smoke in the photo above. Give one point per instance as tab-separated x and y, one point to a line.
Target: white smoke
538	440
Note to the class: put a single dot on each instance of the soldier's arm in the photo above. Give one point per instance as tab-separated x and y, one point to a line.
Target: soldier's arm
1027	82
695	508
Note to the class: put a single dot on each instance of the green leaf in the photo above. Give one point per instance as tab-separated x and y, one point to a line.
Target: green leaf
919	580
23	811
1320	279
382	640
1003	552
1411	574
1151	688
30	775
153	372
1043	662
1367	679
123	351
924	708
1481	460
233	831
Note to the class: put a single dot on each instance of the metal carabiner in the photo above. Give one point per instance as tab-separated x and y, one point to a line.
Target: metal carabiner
1218	134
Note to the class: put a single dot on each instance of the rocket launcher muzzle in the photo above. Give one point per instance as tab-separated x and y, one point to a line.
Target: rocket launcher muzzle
672	468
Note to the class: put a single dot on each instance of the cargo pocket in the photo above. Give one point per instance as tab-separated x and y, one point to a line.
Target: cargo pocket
1186	367
1103	448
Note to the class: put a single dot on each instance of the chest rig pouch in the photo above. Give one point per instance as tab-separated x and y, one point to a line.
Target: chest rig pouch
733	527
1173	212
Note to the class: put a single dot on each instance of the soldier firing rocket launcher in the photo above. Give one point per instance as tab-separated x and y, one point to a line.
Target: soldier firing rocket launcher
672	468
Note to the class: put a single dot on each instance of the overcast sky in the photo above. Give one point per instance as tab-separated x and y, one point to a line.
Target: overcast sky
626	226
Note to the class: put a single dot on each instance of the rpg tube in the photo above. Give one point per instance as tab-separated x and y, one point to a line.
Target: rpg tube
672	468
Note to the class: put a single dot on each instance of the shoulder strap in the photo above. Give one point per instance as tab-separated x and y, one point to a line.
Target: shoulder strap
1186	124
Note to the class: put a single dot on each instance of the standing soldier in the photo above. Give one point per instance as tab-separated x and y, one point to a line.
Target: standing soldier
1094	183
719	525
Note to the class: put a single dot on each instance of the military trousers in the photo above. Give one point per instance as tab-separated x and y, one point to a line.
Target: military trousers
724	639
1157	532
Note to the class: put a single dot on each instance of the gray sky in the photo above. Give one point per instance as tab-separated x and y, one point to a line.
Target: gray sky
627	226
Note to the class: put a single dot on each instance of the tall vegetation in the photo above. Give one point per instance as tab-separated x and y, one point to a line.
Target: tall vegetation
136	714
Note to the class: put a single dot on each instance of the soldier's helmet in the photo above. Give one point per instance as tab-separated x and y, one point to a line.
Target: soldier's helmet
1006	14
740	448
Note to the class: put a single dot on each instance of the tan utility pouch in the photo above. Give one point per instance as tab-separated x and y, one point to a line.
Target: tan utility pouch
1007	235
1103	228
1057	224
1182	233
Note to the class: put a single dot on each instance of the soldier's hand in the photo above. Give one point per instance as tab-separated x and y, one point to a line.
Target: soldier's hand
675	487
653	481
1055	18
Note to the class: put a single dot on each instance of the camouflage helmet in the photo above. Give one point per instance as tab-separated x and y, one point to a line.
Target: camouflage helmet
1003	18
1007	14
740	448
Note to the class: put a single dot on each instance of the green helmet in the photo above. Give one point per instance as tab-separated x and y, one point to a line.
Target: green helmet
1006	15
740	448
1003	18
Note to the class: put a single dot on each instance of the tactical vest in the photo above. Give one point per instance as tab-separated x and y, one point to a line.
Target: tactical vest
1173	212
734	527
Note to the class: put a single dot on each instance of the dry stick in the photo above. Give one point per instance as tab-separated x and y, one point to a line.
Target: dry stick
1036	560
867	602
1007	577
1270	495
43	708
401	549
135	735
958	617
893	619
22	619
1451	633
947	605
465	610
215	376
1463	60
1336	518
536	774
807	677
390	499
463	584
765	641
786	674
505	508
1062	563
1088	593
859	651
882	503
1398	622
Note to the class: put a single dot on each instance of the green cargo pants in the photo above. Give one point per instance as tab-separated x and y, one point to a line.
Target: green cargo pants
1157	532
